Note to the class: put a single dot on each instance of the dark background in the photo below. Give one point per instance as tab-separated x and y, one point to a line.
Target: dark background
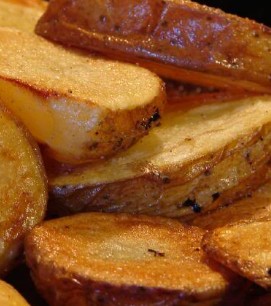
258	10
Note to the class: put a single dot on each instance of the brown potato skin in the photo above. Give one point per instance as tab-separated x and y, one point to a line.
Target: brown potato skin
177	39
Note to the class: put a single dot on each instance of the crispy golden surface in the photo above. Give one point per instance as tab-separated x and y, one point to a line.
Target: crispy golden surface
257	206
93	258
20	15
9	296
81	107
177	39
23	189
197	159
245	248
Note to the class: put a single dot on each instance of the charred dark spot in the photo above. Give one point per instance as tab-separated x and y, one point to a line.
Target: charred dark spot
196	208
96	133
106	196
117	27
156	116
197	249
67	227
156	253
215	196
188	139
93	146
248	158
165	179
269	271
209	18
102	18
164	23
207	172
193	204
69	91
255	34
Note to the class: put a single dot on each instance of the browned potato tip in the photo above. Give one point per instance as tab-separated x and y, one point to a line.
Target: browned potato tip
10	297
177	39
245	248
23	189
198	159
119	259
83	108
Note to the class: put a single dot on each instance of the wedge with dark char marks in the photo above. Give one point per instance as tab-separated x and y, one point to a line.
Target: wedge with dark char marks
198	159
179	39
83	108
119	259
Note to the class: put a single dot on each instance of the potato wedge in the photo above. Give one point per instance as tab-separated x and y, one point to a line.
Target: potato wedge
81	107
198	159
177	39
20	15
23	188
256	206
9	296
113	259
243	247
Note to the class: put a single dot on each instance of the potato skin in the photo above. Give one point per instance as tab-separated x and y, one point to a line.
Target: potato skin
177	39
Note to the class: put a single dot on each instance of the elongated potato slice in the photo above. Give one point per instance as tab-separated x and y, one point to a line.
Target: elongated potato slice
177	39
81	107
111	259
20	15
10	297
245	248
198	159
257	206
23	189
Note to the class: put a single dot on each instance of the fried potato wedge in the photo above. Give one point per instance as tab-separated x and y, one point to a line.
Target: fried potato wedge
120	259
20	15
23	188
177	39
198	159
257	206
9	296
81	107
245	248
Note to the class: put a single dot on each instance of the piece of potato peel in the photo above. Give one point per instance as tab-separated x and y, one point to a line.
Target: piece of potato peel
119	259
83	108
182	40
199	158
9	296
243	247
23	188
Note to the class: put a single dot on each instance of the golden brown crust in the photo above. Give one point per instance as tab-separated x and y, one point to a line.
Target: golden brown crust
244	248
82	107
9	296
95	259
176	39
175	171
23	188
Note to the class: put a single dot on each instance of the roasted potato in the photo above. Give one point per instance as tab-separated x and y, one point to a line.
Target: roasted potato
10	297
81	107
256	206
111	259
177	39
198	159
23	188
243	247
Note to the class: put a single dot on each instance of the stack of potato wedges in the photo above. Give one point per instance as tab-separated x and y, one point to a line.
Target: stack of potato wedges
135	148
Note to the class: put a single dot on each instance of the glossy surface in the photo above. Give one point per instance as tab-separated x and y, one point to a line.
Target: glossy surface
23	189
177	39
70	101
123	260
245	248
198	158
